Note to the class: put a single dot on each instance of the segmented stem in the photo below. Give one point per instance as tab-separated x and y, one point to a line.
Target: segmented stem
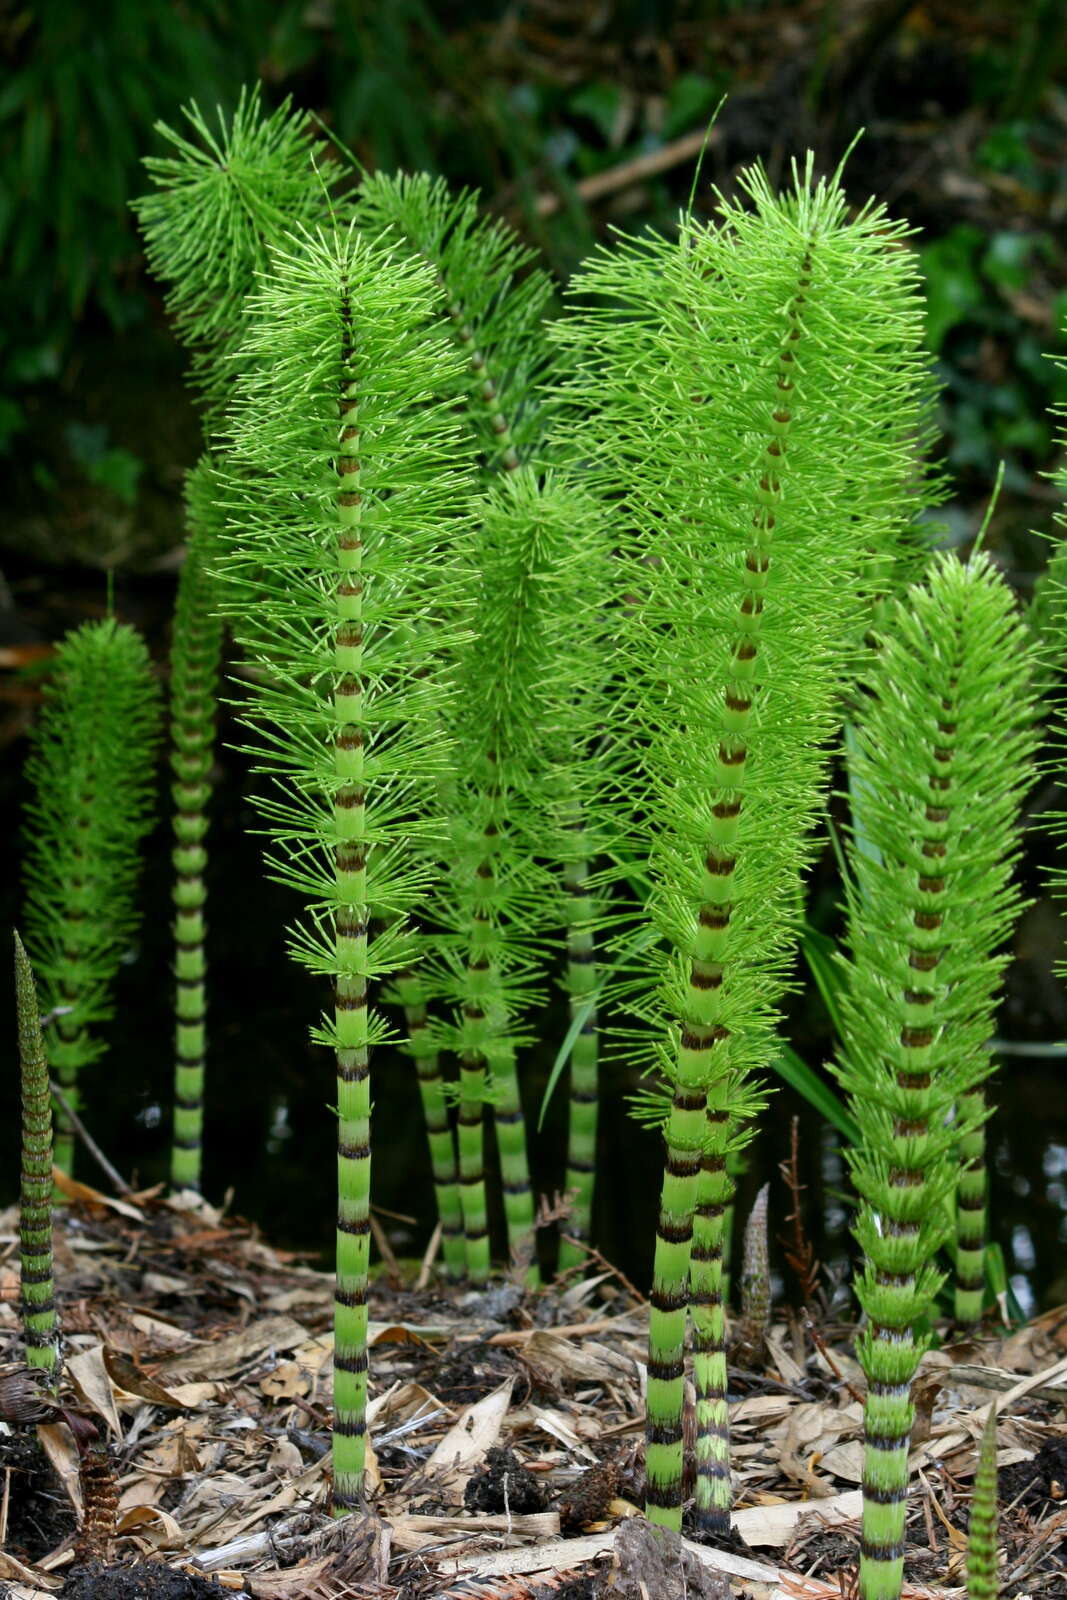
351	1013
756	1275
409	992
972	1211
581	992
715	1186
982	1533
195	654
39	1322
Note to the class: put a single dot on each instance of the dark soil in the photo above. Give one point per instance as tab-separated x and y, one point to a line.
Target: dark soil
148	1580
39	1513
503	1485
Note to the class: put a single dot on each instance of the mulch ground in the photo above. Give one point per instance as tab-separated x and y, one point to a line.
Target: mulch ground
506	1432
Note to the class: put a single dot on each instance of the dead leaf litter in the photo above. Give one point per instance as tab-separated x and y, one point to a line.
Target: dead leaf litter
505	1437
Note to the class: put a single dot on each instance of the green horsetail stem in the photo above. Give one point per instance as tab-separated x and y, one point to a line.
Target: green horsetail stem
584	1092
759	462
39	1323
91	769
346	531
982	1533
972	1210
938	770
410	992
196	649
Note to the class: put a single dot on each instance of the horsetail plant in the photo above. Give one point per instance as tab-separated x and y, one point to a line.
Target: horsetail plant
343	571
754	391
982	1533
39	1322
91	768
520	740
940	764
196	649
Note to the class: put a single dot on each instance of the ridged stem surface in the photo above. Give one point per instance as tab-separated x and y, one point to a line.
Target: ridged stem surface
972	1212
195	654
982	1534
39	1323
409	992
584	1088
350	987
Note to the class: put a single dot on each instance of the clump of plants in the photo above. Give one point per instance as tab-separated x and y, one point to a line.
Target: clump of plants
552	626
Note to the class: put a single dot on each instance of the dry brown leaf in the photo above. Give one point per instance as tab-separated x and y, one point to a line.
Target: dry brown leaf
287	1379
414	1532
88	1374
157	1530
93	1197
130	1379
12	1571
57	1442
475	1430
292	1584
228	1355
775	1525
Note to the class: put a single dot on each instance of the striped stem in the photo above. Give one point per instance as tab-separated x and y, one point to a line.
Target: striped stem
195	653
581	989
351	1013
972	1211
435	1113
511	1142
484	390
39	1322
715	1186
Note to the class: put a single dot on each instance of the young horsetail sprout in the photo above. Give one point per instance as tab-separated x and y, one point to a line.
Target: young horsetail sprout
196	648
91	768
940	763
982	1532
343	574
753	402
39	1324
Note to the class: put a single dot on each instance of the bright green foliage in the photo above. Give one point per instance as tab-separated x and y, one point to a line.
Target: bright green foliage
982	1533
346	552
521	730
940	763
39	1325
495	303
196	648
754	390
496	306
223	201
91	768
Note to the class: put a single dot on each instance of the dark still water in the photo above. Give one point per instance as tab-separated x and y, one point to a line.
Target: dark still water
269	1129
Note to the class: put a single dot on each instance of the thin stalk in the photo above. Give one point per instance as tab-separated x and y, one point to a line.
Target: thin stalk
409	992
195	653
351	1013
972	1211
39	1323
581	987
